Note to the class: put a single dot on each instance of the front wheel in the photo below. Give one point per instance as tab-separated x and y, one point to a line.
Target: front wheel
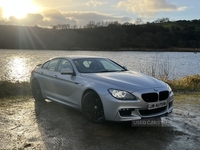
92	108
36	91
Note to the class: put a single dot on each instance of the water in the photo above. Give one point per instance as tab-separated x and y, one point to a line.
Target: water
16	65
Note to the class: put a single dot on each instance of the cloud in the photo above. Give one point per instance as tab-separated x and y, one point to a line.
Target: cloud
50	17
148	8
46	19
83	18
29	20
95	3
54	17
1	13
182	8
52	3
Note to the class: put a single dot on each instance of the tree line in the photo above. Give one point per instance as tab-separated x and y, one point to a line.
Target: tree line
160	34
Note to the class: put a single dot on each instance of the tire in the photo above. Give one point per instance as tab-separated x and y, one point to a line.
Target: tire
92	107
36	91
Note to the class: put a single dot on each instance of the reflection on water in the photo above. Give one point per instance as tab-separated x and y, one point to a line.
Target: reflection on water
17	68
16	65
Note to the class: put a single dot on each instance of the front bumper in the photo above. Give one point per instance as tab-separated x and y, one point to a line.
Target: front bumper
118	110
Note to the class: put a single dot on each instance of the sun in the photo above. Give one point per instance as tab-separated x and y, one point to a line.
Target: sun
18	8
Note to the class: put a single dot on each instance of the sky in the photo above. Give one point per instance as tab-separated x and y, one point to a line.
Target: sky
46	13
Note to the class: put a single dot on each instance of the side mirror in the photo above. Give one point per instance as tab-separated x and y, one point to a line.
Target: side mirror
67	71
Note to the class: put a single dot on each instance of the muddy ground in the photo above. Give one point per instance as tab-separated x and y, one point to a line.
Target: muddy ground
27	124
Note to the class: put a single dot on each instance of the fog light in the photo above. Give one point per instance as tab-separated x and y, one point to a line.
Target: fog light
126	111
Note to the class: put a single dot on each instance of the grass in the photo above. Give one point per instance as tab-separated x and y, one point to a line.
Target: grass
189	85
192	98
9	100
13	89
186	84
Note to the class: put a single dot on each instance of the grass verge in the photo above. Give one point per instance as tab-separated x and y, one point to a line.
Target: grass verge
7	101
192	98
8	88
187	86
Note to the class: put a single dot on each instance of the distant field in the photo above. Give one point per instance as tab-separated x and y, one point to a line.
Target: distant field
169	25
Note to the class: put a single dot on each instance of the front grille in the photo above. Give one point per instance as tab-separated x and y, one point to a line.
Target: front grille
154	97
150	97
163	95
153	111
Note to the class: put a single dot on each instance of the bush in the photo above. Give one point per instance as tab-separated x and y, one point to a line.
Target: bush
188	83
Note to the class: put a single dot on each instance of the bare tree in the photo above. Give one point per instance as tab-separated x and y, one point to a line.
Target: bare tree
139	21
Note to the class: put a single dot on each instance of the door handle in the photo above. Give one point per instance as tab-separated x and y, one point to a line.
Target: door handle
79	84
55	76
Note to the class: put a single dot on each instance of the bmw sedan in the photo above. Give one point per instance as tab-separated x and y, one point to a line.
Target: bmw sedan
101	89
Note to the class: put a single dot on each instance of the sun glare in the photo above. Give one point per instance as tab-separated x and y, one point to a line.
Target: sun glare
18	8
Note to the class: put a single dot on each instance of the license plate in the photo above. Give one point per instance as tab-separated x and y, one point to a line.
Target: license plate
156	105
149	122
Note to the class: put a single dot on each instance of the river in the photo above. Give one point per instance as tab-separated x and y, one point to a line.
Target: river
16	65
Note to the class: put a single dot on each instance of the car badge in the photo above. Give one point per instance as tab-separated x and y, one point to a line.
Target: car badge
155	90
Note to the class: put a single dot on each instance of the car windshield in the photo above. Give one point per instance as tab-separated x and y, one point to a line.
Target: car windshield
97	65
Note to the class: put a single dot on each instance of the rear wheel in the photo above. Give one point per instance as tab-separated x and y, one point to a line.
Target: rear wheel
36	91
92	107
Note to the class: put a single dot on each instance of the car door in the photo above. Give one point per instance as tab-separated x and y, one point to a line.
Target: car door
47	77
65	84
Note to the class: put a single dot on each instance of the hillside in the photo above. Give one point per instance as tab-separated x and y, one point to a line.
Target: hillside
179	35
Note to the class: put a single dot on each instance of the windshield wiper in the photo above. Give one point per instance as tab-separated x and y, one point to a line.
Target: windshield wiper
111	70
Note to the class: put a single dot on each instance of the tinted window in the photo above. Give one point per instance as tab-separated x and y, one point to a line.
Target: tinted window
94	65
52	64
64	64
45	65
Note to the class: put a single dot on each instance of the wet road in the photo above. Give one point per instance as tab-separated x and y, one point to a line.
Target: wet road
48	125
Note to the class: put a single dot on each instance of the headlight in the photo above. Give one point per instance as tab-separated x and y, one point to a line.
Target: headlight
122	95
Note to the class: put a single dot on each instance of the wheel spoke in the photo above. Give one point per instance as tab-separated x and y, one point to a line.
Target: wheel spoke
92	107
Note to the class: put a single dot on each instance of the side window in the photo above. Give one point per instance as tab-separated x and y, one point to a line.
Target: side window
45	65
52	64
64	64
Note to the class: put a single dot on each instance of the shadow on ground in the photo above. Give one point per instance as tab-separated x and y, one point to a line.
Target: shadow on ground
65	128
27	124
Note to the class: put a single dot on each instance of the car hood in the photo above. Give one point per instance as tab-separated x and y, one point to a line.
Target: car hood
128	80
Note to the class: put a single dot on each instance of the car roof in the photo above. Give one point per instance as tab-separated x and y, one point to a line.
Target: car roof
77	57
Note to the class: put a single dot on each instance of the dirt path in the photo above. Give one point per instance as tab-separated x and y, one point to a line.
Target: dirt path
48	125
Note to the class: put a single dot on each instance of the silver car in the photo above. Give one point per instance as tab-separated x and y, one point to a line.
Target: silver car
101	89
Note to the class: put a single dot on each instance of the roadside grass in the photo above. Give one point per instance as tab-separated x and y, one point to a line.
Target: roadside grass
185	88
185	84
9	100
8	88
192	98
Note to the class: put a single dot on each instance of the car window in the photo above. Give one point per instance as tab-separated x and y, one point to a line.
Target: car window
95	65
87	63
45	65
64	64
110	65
52	64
